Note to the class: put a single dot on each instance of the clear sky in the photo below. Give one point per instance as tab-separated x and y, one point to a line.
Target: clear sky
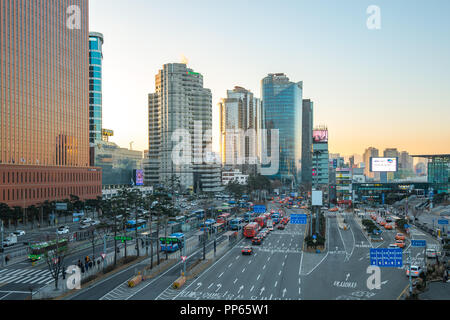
382	88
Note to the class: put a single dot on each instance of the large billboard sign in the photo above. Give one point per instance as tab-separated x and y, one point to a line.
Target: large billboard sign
320	136
139	178
383	164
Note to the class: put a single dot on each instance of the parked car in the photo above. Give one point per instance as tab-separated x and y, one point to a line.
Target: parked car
84	226
86	220
415	271
431	253
19	233
62	230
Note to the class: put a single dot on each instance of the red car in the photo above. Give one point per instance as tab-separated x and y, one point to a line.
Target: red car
247	251
280	227
256	240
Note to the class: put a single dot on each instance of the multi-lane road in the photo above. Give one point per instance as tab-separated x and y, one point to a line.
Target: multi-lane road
278	269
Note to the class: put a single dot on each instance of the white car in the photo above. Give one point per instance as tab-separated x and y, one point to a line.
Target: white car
415	271
62	230
95	222
84	226
19	233
431	253
86	220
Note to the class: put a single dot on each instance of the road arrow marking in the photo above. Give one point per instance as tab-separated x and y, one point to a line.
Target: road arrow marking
218	287
348	275
198	286
240	289
262	289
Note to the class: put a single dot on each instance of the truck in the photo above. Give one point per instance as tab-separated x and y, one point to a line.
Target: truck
10	240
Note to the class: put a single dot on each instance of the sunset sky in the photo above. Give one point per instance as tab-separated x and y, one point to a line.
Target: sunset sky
382	88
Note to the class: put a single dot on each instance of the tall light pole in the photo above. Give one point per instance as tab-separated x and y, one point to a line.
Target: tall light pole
3	249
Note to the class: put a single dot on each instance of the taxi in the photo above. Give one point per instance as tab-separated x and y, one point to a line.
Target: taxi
399	236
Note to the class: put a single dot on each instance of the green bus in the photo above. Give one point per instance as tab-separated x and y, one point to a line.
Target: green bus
38	250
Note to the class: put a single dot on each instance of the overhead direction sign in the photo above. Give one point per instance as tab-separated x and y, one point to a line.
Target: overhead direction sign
442	221
386	257
418	243
259	209
122	238
298	218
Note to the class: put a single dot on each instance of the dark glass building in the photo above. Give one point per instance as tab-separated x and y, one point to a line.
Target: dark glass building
307	129
282	103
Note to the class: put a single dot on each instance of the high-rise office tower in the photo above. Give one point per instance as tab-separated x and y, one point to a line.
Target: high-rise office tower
95	86
44	109
370	152
320	157
241	122
181	103
307	130
282	103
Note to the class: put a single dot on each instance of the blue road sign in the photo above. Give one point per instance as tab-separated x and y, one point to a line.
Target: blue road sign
259	209
386	257
314	236
298	218
418	243
406	226
442	221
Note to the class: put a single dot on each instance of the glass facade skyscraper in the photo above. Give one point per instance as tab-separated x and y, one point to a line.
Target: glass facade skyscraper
95	86
44	107
282	103
307	129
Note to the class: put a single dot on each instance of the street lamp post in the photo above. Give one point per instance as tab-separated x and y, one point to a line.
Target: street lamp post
2	247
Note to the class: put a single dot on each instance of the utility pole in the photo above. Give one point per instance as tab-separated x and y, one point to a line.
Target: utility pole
3	249
410	278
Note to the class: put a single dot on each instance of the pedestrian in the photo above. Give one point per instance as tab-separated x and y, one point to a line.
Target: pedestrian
90	263
6	259
82	269
86	266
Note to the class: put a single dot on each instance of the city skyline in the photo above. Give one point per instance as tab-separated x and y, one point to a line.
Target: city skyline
370	87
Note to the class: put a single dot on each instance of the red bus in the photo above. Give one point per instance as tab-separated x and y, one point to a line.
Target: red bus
223	218
261	220
251	229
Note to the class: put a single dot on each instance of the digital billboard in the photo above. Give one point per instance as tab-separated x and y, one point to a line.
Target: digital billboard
320	136
139	177
383	164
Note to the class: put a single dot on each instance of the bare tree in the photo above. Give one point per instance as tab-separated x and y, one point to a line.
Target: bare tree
54	257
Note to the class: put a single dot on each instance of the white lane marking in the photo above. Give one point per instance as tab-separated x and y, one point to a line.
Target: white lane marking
211	285
252	288
221	275
230	265
264	267
279	273
258	277
276	283
243	270
234	282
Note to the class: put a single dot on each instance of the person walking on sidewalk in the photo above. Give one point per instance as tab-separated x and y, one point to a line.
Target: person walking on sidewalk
7	259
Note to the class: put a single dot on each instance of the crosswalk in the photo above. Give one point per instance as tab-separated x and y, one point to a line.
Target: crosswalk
25	276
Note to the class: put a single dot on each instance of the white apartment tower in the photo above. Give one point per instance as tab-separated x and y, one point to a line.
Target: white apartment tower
241	122
181	103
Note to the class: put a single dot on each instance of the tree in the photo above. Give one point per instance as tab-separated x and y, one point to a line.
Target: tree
235	188
55	259
5	213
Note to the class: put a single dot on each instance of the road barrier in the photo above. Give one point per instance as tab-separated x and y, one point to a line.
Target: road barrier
179	282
